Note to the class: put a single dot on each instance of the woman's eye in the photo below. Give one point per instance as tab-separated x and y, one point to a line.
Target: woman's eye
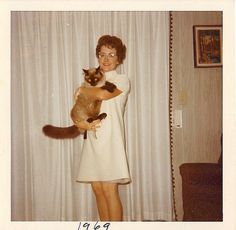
109	55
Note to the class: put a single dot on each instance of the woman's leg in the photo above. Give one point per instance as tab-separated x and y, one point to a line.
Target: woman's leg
101	201
113	201
108	201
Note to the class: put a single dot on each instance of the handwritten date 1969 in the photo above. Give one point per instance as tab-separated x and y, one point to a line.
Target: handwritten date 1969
96	226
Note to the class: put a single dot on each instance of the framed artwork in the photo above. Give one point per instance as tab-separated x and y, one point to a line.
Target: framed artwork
207	46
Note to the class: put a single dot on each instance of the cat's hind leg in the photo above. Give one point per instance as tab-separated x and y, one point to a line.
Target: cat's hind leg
101	116
90	120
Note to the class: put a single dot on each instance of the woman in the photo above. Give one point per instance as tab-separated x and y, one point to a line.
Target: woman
103	160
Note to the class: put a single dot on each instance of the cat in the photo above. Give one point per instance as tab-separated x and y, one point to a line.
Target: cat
85	107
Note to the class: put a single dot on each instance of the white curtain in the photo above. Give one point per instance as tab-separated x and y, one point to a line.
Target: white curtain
49	50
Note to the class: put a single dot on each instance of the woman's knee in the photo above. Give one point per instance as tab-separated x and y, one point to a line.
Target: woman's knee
97	188
110	190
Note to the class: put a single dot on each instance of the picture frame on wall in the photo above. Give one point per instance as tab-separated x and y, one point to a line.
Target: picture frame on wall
207	46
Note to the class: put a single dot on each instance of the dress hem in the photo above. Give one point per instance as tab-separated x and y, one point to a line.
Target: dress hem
118	181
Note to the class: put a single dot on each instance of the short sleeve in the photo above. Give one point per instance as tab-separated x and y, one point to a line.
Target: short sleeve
122	83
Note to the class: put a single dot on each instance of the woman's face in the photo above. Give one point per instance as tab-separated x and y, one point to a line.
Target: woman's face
107	59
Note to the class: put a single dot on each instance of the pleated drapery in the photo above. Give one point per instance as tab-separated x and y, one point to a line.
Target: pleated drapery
48	52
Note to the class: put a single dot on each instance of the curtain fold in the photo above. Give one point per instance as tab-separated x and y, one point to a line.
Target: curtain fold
49	50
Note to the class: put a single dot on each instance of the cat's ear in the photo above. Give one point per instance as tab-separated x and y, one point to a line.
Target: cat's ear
98	69
85	71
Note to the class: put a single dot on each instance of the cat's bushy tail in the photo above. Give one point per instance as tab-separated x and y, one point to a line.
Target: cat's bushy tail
61	132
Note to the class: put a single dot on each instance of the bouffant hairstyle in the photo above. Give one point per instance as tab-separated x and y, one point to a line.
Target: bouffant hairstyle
112	42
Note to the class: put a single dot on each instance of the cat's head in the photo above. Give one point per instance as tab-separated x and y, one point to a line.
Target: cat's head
94	77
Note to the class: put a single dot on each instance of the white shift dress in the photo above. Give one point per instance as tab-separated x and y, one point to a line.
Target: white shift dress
103	158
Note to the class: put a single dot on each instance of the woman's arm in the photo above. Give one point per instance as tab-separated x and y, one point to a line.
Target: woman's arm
98	93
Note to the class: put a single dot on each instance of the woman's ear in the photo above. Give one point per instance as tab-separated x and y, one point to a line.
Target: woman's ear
117	63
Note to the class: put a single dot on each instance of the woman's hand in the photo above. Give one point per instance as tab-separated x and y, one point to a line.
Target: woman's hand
89	126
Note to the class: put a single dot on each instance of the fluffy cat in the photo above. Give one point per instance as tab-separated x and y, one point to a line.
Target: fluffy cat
85	107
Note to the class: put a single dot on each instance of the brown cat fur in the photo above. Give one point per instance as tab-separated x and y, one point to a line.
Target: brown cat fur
85	108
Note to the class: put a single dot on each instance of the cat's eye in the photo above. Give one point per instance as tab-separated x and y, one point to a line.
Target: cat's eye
109	55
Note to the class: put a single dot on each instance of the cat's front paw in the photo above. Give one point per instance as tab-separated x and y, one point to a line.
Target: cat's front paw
110	87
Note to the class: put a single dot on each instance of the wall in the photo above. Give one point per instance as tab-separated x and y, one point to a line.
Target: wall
198	93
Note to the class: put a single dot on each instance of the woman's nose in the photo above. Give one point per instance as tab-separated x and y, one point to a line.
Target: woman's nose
106	58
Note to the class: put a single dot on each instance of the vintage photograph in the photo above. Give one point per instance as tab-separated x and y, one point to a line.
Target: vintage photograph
113	115
92	121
